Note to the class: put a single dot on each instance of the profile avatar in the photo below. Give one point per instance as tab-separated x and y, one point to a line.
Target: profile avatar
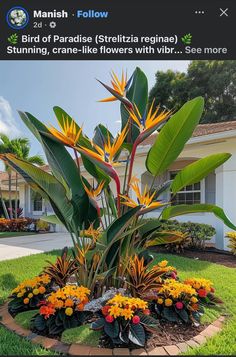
17	18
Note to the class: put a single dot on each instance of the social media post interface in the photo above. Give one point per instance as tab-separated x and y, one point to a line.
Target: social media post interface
110	30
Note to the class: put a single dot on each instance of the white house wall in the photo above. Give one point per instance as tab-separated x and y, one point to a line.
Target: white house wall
225	185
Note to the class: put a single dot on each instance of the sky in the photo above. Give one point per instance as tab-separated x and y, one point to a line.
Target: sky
37	86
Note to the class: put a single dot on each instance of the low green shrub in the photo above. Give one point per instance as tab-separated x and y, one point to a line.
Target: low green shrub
198	233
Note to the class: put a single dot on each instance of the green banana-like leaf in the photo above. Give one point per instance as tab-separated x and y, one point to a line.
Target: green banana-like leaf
48	183
180	210
164	237
116	229
138	94
63	166
149	227
163	188
196	171
33	124
173	136
51	219
101	136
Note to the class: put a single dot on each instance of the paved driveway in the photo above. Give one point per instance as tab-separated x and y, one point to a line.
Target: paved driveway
32	244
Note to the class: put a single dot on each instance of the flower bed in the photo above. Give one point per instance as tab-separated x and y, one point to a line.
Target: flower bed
109	280
124	320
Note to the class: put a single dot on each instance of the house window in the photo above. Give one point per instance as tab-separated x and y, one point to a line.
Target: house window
37	202
188	195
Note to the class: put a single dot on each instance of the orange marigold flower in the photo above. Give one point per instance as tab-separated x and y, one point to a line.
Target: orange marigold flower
46	311
195	307
80	307
168	302
26	301
69	303
42	290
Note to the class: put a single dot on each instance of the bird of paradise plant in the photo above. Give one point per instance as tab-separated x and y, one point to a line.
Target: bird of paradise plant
102	158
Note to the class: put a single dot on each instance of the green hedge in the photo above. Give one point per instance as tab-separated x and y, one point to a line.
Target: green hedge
198	233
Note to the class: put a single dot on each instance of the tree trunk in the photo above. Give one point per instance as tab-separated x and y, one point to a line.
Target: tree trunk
16	196
10	194
3	205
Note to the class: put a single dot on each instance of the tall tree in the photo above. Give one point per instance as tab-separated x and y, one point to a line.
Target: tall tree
21	148
214	80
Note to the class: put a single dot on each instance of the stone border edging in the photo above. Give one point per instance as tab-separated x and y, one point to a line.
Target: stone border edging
81	350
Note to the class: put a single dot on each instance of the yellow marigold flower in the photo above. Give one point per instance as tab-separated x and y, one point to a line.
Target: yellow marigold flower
160	301
199	283
36	291
42	290
126	313
68	311
141	304
168	302
30	295
19	295
163	263
117	299
69	303
115	311
26	301
194	299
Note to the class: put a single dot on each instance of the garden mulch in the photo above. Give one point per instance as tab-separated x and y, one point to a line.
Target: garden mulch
211	255
171	334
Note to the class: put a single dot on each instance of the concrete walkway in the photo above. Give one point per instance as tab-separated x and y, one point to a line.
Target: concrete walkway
16	247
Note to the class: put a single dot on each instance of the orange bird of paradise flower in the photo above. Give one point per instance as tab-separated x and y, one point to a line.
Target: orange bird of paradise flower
148	122
94	193
105	158
118	89
70	133
145	199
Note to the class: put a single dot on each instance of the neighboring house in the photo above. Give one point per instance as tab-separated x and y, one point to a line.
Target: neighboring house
218	188
5	187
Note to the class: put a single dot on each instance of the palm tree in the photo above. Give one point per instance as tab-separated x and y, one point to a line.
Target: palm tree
21	148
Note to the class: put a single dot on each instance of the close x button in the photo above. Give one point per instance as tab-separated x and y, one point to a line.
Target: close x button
224	12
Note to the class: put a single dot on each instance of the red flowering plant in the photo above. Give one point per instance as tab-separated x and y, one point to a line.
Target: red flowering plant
126	320
62	309
28	294
205	291
177	302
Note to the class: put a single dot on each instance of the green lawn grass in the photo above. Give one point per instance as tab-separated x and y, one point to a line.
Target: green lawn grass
14	271
15	234
81	334
13	345
23	318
